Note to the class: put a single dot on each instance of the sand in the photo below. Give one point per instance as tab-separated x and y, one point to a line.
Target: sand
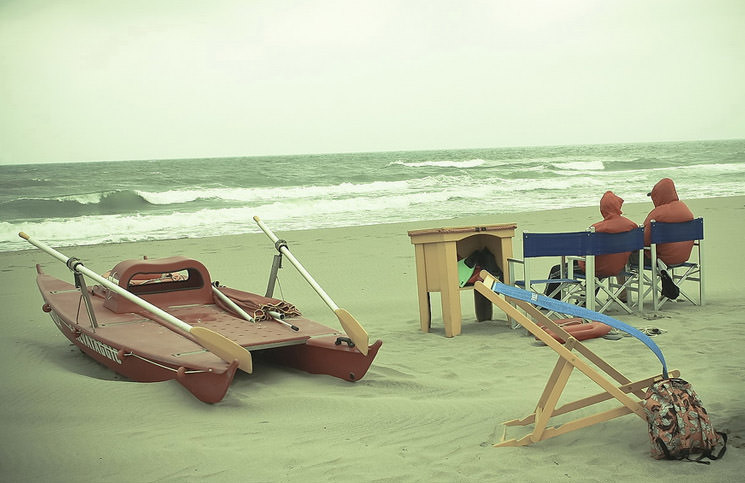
429	409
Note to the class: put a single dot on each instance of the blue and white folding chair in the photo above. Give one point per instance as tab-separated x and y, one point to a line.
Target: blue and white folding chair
601	243
574	286
562	245
683	273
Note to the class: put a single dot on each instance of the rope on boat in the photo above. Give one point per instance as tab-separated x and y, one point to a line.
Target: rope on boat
161	365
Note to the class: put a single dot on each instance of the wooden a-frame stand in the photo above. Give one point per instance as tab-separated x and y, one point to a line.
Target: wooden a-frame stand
569	359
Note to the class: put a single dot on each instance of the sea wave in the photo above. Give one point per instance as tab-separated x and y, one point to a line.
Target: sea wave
254	195
110	202
470	163
197	198
284	215
378	194
580	166
435	197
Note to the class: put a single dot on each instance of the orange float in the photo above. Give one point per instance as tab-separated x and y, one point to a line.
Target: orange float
579	329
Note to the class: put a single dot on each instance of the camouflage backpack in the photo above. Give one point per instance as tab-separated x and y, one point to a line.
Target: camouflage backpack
679	426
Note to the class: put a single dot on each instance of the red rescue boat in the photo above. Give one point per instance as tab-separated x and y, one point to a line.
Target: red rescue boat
160	319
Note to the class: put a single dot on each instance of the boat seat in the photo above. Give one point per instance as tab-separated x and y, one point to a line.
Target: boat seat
163	282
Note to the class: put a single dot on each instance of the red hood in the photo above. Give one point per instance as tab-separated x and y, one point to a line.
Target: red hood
664	192
610	205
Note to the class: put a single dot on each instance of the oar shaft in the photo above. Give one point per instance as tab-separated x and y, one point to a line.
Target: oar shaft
350	325
79	267
278	317
232	304
286	252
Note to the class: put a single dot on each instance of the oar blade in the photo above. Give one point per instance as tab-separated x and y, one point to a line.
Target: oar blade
354	330
223	347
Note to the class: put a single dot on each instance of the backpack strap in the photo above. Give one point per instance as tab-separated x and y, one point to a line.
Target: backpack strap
721	451
700	459
708	453
571	309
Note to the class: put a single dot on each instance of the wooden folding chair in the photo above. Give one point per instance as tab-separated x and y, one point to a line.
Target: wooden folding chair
614	384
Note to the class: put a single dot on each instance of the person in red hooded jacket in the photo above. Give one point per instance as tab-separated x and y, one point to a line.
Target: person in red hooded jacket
669	209
613	222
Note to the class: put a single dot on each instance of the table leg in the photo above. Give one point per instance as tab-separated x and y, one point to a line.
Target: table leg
425	312
450	292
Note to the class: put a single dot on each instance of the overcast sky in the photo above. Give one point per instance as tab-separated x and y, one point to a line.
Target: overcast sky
111	80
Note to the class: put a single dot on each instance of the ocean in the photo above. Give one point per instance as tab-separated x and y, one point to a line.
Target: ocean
69	204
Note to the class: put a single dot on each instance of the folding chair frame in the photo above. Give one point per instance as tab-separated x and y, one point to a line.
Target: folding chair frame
692	271
584	245
602	243
569	359
561	244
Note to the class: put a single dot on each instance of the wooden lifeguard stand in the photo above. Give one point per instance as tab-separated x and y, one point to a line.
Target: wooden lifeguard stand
437	252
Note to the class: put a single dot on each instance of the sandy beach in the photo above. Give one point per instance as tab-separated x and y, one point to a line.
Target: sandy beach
429	409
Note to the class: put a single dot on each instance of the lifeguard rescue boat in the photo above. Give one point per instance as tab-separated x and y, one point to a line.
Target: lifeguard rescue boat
160	319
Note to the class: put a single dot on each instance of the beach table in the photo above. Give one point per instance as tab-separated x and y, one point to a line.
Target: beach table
437	251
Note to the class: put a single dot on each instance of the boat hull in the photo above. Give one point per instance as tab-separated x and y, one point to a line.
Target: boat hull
323	355
207	383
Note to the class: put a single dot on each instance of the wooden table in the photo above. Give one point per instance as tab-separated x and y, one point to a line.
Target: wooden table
437	252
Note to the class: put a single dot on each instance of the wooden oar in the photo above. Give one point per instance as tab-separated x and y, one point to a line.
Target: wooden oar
350	325
218	344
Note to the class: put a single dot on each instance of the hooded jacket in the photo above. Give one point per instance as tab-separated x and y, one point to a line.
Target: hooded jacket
669	209
613	222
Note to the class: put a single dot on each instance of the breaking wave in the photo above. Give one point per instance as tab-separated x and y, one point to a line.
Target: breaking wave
108	203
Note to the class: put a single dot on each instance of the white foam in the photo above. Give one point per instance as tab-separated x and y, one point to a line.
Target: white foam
269	193
83	198
581	166
471	163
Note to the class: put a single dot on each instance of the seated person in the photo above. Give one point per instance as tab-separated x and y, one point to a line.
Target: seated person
613	222
669	209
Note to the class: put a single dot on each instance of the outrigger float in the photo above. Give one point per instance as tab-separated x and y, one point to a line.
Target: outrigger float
159	319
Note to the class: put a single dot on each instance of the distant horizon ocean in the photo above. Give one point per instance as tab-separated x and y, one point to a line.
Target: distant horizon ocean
68	204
